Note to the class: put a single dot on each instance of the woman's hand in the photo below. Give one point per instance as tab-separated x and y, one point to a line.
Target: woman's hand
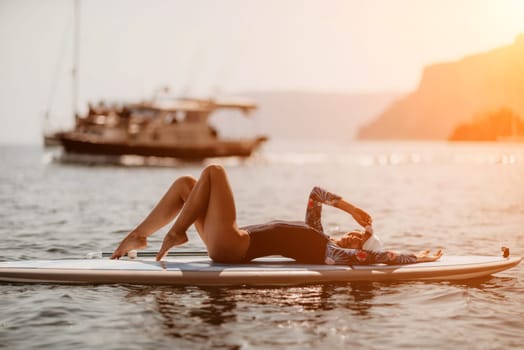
425	256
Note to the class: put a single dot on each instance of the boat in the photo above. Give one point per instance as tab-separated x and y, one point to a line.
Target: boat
176	128
163	127
51	140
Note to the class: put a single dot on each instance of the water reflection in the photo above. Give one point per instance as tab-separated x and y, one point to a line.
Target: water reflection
325	315
221	317
486	284
188	312
217	308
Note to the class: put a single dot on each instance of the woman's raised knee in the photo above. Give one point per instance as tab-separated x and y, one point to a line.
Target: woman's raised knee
184	182
214	169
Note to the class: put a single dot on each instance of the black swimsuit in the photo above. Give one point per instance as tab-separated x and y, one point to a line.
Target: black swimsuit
306	242
295	240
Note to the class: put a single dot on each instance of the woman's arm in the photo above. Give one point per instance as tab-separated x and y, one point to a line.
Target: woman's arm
341	256
360	216
319	196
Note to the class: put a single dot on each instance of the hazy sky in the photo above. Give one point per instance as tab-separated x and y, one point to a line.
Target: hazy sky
129	48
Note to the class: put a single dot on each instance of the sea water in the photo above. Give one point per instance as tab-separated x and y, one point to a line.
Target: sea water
461	197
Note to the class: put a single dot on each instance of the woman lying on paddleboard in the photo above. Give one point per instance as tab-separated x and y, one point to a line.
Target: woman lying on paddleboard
209	204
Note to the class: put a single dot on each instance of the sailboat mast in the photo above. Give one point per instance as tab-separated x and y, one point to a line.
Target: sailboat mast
74	72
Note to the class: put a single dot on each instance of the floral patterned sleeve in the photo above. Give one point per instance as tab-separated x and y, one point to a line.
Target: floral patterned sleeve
317	197
336	255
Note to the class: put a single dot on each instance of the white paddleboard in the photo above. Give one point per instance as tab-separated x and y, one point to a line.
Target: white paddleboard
200	270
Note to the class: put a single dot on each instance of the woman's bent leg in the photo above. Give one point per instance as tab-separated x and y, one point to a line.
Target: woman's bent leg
163	213
211	205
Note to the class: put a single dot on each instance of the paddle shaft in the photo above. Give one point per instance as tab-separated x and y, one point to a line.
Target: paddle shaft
148	254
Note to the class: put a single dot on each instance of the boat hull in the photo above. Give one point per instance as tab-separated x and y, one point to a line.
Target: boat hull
240	148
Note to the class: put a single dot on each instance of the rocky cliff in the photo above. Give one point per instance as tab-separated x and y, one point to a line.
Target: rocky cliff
450	93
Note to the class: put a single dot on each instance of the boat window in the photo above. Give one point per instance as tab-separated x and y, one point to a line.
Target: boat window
193	117
170	118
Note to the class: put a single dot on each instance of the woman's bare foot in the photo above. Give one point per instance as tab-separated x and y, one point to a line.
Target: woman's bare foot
171	240
134	240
